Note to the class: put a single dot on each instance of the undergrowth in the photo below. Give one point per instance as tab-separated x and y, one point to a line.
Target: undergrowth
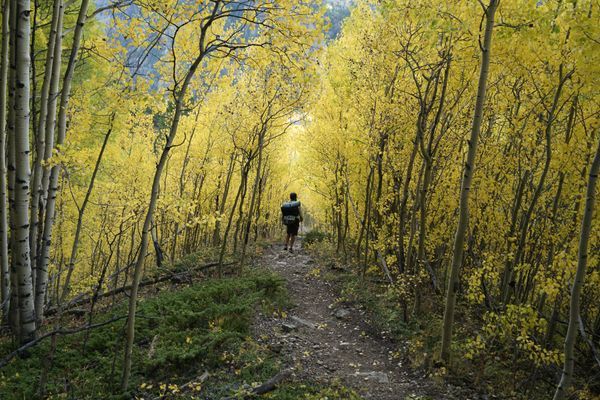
504	372
177	333
181	333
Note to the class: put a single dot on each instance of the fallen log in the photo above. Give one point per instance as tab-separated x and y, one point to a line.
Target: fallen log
63	332
266	387
84	299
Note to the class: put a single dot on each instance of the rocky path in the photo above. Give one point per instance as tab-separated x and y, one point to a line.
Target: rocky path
327	342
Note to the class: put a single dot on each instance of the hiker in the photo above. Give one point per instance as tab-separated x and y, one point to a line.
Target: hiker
291	218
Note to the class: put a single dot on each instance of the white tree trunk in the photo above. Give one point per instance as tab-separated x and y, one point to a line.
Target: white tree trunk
10	138
44	259
586	227
22	171
36	179
5	273
48	124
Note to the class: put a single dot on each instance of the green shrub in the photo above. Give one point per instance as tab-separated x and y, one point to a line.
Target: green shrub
177	333
315	236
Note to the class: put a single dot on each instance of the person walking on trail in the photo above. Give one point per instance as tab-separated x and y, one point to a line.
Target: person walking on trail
291	216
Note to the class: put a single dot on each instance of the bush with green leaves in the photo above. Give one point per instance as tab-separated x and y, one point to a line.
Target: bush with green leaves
315	236
178	332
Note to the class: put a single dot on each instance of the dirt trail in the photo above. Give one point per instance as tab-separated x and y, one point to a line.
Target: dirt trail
325	341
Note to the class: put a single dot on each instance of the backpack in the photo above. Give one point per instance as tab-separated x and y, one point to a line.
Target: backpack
291	212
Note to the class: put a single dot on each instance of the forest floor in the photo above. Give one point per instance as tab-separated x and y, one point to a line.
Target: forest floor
326	340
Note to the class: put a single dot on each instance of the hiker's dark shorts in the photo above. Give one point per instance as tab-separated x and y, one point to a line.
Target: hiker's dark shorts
293	229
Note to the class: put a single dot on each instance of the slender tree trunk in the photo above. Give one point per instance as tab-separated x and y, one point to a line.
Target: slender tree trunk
40	134
586	227
10	137
217	232
49	129
428	158
513	226
367	223
131	255
346	219
380	175
421	256
412	233
403	207
230	220
191	232
508	274
44	260
367	210
4	268
156	244
198	185
240	218
33	74
523	292
182	182
74	248
137	273
23	171
259	202
337	208
463	219
552	321
255	191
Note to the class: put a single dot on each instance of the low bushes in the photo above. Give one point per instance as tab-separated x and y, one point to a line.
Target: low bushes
177	334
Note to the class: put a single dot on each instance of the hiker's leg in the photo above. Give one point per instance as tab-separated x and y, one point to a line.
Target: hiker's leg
292	232
287	240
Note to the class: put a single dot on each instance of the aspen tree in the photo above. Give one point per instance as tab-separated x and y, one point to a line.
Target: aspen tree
10	138
44	259
49	129
575	304
20	235
82	208
46	127
153	198
40	133
4	264
469	167
550	119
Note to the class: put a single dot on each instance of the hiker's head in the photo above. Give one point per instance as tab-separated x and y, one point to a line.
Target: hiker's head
293	196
